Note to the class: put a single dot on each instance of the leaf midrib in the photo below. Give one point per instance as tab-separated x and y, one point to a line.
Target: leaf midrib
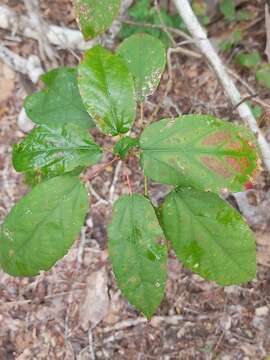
195	150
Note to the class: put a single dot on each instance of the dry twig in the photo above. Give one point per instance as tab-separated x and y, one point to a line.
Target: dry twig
30	66
267	28
46	51
199	35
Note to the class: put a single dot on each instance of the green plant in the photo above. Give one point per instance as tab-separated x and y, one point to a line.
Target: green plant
230	13
198	155
145	18
232	40
263	75
249	60
252	60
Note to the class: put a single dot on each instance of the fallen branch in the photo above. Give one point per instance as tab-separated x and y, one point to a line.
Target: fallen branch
155	321
31	66
201	40
45	49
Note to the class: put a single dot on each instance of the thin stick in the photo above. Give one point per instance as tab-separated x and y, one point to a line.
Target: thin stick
156	26
115	179
102	168
163	24
186	52
246	98
196	30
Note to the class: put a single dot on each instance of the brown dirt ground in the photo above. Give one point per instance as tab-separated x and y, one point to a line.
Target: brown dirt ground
40	318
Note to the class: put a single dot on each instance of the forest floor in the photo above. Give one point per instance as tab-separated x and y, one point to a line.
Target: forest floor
57	315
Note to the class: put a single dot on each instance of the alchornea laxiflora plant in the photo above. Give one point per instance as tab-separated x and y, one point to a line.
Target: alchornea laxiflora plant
199	155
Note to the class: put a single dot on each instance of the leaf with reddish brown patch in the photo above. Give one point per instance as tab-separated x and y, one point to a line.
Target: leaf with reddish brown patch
199	151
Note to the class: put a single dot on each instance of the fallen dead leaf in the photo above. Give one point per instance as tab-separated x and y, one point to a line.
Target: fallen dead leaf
263	242
116	306
95	305
7	81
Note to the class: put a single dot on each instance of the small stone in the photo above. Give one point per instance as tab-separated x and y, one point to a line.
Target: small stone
226	322
226	357
262	311
232	290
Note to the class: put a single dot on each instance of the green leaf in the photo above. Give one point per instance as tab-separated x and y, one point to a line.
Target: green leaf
209	236
249	60
199	151
227	8
42	226
95	16
145	58
231	41
124	145
60	102
140	9
244	15
107	90
263	76
200	9
143	13
257	110
137	252
55	151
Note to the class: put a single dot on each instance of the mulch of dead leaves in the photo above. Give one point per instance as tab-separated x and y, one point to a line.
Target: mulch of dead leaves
75	311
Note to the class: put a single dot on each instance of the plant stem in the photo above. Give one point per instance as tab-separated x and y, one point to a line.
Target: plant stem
145	186
141	114
128	182
207	49
101	168
158	26
108	150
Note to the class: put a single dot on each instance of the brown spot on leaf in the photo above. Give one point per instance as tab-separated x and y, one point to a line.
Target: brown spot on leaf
234	163
244	162
217	138
235	145
216	166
